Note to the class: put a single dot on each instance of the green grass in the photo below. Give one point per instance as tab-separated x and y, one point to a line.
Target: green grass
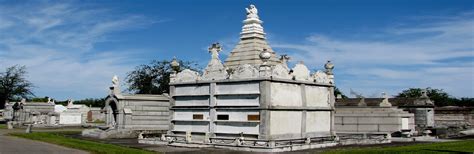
466	146
3	126
59	138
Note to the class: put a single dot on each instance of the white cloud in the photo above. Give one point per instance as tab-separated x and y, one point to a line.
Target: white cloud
436	54
56	42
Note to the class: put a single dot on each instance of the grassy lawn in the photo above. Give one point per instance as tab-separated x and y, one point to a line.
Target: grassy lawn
3	126
445	147
59	138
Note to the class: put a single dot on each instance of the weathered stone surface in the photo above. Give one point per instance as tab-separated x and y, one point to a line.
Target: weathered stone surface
280	71
300	72
215	70
187	75
373	119
320	77
244	71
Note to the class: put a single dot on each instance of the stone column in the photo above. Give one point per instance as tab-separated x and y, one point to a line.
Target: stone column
212	109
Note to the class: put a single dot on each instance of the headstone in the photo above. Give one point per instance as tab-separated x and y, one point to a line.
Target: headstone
67	118
10	125
89	116
28	128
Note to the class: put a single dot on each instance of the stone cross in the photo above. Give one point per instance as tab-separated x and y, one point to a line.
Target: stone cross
214	49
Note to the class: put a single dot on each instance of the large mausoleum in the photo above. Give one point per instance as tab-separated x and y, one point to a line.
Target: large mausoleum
252	100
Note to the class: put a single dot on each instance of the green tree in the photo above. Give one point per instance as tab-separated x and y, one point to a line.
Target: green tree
439	97
13	84
339	92
40	99
94	102
154	77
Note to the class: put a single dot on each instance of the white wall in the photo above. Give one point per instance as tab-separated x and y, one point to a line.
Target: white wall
317	96
285	122
283	94
318	121
240	88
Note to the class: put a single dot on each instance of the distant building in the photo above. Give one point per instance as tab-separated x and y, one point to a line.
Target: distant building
422	108
128	115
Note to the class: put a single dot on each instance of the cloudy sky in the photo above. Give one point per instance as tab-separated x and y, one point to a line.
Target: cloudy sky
73	48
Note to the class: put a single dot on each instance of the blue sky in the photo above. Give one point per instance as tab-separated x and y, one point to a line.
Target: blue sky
73	48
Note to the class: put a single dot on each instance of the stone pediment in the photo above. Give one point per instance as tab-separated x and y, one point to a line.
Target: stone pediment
244	71
187	75
300	72
280	71
320	77
215	70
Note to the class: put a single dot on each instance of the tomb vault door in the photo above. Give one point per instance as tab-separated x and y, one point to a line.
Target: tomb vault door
111	113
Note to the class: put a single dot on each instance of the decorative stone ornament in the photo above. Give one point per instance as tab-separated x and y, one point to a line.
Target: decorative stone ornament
284	61
265	56
115	85
280	71
252	12
362	102
245	71
385	102
329	67
175	65
424	99
300	72
187	75
215	70
320	77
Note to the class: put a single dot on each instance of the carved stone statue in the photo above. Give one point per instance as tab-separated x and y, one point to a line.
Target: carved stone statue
115	81
252	12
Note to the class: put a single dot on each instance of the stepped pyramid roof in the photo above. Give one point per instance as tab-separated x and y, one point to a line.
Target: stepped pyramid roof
252	43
